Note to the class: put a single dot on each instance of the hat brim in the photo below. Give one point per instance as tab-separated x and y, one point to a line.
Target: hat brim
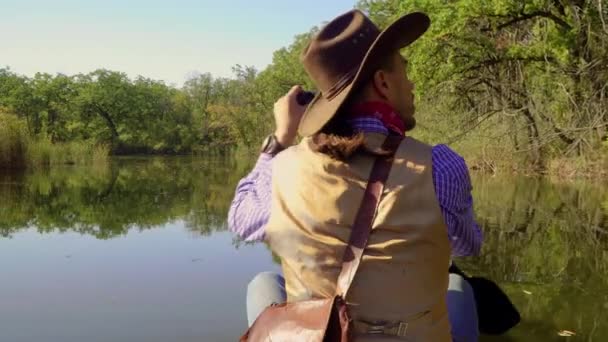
401	33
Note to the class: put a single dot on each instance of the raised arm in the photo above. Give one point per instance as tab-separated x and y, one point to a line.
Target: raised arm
250	208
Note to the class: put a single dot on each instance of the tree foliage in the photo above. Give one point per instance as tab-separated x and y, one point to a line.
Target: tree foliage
531	74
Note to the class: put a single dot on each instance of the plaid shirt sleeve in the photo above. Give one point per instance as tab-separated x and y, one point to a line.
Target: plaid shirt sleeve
250	208
453	191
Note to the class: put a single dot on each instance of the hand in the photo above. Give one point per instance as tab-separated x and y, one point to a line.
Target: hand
287	115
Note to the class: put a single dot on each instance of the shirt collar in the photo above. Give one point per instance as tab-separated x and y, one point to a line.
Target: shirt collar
376	116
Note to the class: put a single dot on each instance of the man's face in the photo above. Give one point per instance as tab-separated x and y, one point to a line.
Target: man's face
401	91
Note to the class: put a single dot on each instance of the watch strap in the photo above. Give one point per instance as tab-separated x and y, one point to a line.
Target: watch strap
272	146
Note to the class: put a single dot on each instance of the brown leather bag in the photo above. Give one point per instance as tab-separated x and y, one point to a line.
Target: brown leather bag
328	319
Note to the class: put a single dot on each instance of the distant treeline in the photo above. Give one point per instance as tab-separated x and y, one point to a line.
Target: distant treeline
511	84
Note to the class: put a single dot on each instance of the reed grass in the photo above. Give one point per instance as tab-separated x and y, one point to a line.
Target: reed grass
13	142
18	150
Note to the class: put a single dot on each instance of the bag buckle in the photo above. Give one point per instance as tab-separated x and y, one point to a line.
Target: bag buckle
402	329
395	330
376	329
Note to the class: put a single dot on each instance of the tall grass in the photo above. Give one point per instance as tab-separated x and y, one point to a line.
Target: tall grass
43	153
13	142
18	150
100	154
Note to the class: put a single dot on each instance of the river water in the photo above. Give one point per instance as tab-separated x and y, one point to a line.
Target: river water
138	251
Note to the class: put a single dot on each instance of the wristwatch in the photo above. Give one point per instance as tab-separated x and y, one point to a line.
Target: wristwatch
271	145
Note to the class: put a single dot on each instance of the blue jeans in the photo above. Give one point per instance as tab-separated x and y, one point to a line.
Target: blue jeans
269	287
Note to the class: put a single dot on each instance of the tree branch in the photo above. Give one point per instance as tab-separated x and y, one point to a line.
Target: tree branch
480	119
543	14
560	132
494	61
601	13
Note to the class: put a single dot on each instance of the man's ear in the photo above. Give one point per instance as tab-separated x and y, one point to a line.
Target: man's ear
380	84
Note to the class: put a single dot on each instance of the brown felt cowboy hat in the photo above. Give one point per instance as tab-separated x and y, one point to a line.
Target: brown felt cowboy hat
344	52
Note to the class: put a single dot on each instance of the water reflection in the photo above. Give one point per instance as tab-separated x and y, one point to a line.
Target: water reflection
131	193
545	243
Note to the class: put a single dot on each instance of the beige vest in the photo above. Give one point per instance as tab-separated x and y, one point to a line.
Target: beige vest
403	274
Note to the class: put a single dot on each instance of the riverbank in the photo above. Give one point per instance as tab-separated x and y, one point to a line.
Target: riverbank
19	150
560	168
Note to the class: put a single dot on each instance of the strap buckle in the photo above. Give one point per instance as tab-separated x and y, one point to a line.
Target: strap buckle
399	329
376	329
402	329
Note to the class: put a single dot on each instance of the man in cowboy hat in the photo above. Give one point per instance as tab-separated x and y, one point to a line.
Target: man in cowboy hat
302	198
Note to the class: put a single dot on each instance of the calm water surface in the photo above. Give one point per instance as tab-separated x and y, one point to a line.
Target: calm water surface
138	251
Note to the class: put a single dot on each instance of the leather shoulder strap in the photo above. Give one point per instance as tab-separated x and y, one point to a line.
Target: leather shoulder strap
365	216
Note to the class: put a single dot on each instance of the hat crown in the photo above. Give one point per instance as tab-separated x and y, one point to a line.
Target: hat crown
336	52
344	53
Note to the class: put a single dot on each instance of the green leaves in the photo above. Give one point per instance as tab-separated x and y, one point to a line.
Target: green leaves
533	66
532	71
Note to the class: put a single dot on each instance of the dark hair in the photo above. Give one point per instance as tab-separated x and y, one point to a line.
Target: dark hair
337	138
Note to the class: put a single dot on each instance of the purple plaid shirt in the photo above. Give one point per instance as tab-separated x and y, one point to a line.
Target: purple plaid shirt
250	209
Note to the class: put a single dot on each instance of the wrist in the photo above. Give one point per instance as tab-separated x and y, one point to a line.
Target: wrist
284	138
272	146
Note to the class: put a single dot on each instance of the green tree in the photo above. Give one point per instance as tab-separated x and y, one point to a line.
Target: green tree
16	95
103	102
52	99
527	72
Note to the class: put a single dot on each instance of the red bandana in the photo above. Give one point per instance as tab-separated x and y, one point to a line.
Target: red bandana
382	111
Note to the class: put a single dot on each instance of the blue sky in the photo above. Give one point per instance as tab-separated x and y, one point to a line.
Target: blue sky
163	40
